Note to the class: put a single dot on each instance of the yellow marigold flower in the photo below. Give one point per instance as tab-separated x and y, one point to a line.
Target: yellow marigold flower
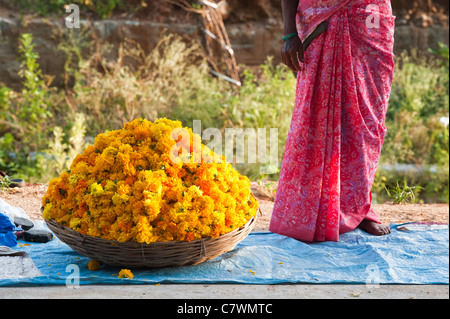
73	179
110	186
47	211
97	190
125	273
118	199
124	189
74	223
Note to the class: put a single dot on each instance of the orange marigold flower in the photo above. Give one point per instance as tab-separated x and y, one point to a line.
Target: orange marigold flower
94	265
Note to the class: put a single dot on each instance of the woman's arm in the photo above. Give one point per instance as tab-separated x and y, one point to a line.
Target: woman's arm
292	49
289	8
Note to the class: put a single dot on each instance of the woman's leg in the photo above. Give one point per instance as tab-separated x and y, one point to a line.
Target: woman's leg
371	34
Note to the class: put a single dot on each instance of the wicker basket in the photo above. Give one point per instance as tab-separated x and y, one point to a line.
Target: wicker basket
155	255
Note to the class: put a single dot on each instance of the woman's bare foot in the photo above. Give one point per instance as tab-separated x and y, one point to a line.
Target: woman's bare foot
374	228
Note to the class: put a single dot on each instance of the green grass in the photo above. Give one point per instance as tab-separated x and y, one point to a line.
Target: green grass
401	194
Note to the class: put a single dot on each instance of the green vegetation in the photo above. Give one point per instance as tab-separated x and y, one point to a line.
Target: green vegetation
416	136
4	183
402	194
42	127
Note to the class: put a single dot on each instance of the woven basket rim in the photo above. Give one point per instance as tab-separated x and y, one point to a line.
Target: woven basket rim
54	223
154	255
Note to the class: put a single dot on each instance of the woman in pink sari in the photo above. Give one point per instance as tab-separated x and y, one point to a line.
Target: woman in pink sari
343	53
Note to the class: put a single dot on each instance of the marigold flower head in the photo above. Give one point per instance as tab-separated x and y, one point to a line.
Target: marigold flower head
94	265
125	273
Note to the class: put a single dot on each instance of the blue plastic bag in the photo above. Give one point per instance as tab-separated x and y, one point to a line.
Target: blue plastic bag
6	224
7	227
8	239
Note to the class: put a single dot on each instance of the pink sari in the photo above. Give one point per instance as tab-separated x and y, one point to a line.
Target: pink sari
338	123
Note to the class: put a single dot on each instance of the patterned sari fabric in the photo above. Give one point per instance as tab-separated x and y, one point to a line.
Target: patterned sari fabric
311	13
338	124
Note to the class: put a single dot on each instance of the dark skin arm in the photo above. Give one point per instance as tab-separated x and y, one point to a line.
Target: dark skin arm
292	49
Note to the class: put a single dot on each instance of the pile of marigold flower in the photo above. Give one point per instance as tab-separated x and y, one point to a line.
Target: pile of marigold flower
127	187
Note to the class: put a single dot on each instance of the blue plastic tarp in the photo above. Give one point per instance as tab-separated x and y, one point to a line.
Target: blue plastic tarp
7	227
416	256
6	224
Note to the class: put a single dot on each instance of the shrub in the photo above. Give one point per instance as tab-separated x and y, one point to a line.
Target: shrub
59	155
137	84
24	114
7	163
265	100
415	135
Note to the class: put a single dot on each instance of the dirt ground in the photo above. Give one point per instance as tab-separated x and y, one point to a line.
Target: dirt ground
29	198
